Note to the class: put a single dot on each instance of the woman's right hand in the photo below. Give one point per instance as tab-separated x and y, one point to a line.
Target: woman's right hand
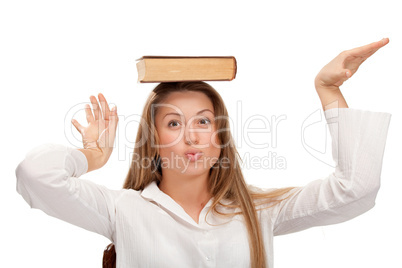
98	137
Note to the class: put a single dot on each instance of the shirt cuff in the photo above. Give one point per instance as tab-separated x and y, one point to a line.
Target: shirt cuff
358	142
77	161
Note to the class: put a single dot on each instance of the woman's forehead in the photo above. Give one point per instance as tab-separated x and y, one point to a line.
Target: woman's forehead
187	96
189	103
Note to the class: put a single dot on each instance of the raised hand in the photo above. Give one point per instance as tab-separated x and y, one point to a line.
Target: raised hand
345	65
100	133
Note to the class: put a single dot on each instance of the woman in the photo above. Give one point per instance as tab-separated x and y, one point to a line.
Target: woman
185	202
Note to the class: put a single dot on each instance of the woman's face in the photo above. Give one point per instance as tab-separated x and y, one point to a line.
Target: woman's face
188	141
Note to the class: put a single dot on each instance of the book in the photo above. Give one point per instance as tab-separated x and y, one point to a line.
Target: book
155	69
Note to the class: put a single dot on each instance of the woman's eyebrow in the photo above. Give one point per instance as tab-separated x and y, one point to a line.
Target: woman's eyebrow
205	110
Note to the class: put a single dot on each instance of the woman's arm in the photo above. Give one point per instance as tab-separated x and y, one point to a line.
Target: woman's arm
48	177
331	98
358	143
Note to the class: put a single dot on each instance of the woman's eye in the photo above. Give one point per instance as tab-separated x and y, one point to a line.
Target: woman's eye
205	120
202	121
172	122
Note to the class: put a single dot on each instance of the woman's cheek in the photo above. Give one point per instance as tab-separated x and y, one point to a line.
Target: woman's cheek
214	140
169	138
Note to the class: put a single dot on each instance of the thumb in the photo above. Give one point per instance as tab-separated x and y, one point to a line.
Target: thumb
77	125
347	73
342	76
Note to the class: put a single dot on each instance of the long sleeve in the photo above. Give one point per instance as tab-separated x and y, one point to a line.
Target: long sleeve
358	143
48	179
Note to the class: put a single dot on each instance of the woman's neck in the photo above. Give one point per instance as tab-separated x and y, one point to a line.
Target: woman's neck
189	191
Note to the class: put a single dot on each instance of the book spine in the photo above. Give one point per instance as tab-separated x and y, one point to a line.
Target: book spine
234	68
141	70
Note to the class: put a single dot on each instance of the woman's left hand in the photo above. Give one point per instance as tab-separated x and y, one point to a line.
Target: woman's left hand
342	67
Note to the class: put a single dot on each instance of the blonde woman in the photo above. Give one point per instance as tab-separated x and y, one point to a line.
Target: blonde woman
185	202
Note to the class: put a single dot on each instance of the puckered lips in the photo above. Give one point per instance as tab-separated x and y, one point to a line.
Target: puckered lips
193	154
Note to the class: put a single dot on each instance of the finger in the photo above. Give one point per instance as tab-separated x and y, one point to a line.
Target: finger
379	45
369	49
105	106
88	112
114	116
96	108
114	119
364	57
77	125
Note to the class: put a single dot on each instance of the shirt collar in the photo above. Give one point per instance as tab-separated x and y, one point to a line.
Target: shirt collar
152	192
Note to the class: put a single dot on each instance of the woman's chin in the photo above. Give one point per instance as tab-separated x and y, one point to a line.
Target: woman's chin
194	168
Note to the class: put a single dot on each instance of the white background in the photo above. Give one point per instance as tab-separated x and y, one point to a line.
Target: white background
55	54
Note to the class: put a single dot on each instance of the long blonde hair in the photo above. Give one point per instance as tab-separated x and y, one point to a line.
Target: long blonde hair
224	183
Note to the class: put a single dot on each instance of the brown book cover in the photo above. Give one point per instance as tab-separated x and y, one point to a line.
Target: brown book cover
155	69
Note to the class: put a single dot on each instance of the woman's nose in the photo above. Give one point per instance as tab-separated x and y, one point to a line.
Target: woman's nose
191	136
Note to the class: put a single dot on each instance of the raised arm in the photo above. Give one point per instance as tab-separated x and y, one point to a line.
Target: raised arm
48	179
358	143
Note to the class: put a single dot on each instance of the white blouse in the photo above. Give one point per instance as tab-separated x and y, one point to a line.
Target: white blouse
149	229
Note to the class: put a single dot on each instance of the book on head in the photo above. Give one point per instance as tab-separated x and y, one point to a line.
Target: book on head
155	69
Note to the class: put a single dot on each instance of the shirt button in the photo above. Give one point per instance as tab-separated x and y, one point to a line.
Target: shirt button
207	258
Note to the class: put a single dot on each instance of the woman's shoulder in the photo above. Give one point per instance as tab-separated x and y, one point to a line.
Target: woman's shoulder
259	189
272	190
129	197
270	197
